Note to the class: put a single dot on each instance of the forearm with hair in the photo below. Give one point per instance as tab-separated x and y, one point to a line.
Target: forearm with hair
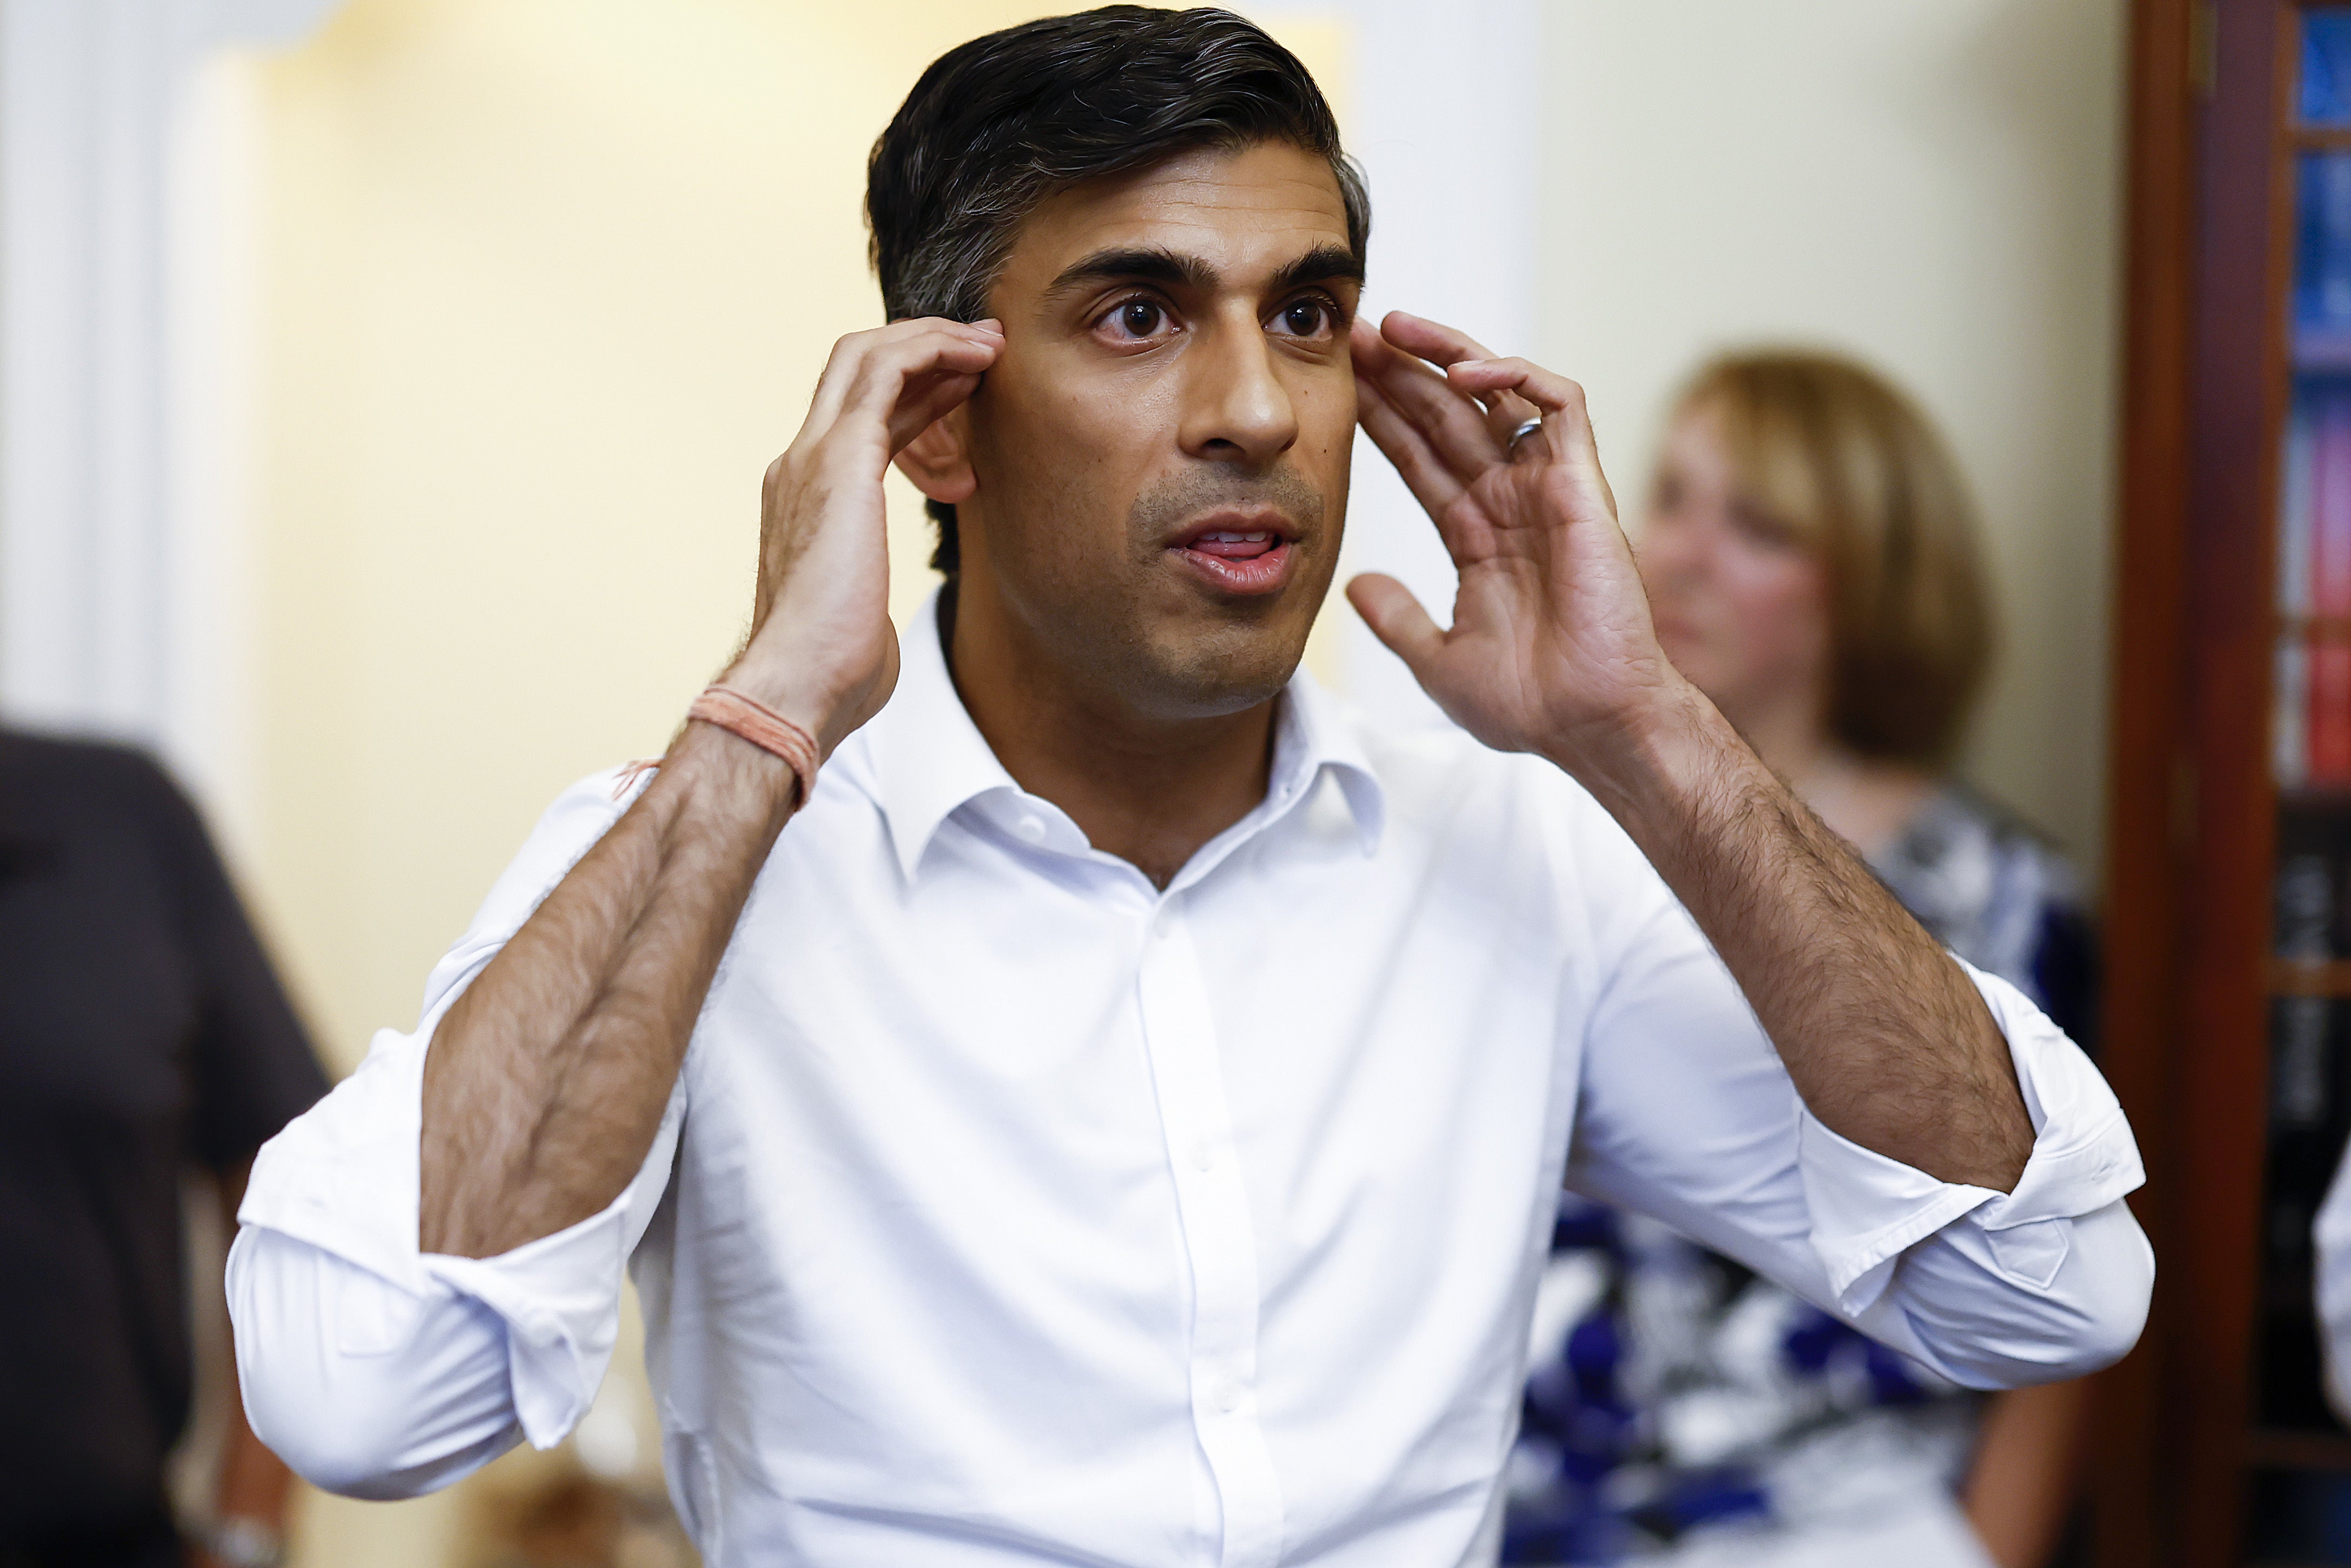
545	1082
1886	1040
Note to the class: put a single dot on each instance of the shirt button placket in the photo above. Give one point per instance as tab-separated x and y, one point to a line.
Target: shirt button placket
1219	1239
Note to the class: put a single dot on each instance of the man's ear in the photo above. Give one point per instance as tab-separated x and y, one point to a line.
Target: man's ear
937	461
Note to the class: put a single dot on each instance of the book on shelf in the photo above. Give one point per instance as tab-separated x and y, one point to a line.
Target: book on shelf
2294	511
2290	694
2311	897
2314	587
2325	88
2322	306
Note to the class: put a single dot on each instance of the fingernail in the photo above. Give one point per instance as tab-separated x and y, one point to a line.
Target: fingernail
990	324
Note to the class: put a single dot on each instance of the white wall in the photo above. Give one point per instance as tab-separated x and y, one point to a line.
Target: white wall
1933	184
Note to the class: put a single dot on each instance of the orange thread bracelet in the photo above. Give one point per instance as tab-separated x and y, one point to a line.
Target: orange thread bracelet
747	718
744	715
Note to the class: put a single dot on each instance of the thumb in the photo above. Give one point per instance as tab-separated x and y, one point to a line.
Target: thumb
1398	620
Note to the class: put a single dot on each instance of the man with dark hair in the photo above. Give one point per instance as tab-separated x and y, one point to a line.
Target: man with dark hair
1109	1114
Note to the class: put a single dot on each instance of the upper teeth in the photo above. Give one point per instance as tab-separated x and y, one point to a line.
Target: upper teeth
1222	537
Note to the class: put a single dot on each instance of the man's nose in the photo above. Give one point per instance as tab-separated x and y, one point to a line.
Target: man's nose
1238	410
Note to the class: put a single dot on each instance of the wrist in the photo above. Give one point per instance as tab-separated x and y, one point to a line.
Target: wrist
713	758
1646	752
779	681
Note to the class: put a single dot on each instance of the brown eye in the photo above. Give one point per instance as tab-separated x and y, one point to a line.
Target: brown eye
1305	317
1139	316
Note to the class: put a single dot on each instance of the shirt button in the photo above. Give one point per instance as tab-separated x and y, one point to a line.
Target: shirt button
1033	829
1204	1155
1227	1397
541	1331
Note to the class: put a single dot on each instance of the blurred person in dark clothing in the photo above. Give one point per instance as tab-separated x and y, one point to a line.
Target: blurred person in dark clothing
1811	562
142	1037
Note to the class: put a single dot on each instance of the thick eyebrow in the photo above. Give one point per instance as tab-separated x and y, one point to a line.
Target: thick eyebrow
1148	263
1154	264
1323	263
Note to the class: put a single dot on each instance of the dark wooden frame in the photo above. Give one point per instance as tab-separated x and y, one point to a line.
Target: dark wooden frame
2192	831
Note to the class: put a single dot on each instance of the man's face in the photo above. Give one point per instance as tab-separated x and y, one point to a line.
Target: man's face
1161	451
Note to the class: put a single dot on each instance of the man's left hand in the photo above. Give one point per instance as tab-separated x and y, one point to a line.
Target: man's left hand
1551	650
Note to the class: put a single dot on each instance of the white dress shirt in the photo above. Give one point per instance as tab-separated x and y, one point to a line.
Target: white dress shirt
1010	1210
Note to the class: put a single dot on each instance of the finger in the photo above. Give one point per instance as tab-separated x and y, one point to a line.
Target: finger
896	372
1397	619
1453	425
1507	413
1567	434
1448	348
927	405
854	356
891	376
1432	341
1567	422
1546	390
1424	473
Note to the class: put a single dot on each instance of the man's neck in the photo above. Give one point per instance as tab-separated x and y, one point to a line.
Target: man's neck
1148	789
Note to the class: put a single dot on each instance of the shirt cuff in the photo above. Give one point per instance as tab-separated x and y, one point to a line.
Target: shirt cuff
560	1296
344	1177
1867	1210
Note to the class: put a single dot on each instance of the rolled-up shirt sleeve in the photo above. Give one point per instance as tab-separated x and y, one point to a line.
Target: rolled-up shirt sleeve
1686	1112
378	1370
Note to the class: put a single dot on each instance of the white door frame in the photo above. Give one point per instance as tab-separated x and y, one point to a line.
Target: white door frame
1449	127
121	582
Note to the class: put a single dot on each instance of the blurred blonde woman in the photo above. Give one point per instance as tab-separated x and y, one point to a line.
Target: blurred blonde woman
1812	558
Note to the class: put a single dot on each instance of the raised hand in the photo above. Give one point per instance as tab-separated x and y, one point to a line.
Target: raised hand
822	649
1552	652
1550	648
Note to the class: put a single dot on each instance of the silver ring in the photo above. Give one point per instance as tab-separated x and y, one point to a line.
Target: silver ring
1529	428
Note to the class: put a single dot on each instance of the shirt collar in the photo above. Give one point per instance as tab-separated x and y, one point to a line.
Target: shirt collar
929	760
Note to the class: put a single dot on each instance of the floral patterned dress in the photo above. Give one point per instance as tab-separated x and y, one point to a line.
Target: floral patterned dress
1677	1399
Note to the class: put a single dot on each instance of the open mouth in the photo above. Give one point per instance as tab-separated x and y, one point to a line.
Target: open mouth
1238	555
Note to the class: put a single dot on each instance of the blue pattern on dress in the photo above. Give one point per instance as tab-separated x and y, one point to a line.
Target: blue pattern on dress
1619	1457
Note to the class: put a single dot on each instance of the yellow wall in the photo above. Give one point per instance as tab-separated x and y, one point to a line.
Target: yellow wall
549	282
1933	187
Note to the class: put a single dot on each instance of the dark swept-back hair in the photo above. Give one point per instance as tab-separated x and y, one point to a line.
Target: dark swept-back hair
997	125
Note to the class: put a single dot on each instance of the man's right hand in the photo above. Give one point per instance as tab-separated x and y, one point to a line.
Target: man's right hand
546	1080
821	649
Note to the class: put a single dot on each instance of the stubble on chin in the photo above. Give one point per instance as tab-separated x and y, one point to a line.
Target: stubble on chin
1141	640
1213	659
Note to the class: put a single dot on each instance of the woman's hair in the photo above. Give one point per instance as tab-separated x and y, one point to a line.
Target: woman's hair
997	125
1835	454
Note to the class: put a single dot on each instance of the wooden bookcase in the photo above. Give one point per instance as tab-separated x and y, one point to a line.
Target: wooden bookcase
2213	1445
